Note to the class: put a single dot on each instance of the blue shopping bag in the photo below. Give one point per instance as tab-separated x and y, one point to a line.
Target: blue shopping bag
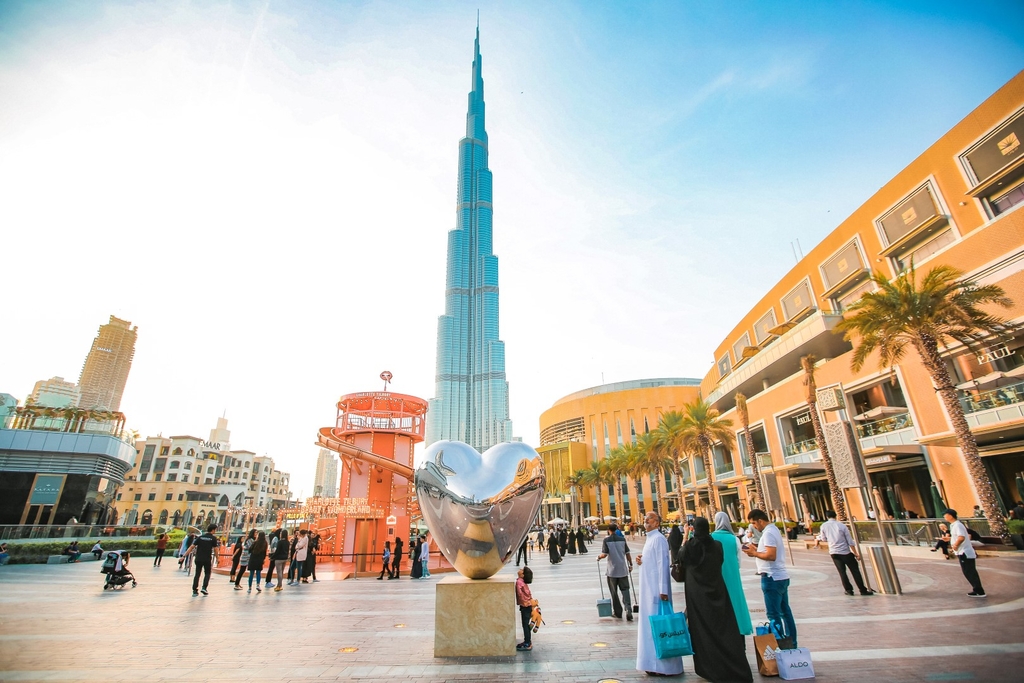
671	636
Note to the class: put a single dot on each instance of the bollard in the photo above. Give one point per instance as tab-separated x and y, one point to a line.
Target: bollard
885	571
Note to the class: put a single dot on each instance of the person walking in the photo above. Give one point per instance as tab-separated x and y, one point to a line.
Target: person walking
161	547
960	545
581	542
301	553
202	548
522	552
540	540
257	554
718	650
396	560
844	554
526	603
314	549
620	564
771	567
186	543
416	571
279	558
553	553
425	556
563	541
293	563
731	554
243	558
385	558
236	557
655	588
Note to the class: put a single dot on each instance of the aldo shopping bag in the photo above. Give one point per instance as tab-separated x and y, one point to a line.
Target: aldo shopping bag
794	664
671	637
765	648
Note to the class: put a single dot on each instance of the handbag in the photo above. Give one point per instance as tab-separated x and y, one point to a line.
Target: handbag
765	649
671	636
794	664
677	572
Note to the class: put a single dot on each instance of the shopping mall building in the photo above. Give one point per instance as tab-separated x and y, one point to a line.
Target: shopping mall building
957	204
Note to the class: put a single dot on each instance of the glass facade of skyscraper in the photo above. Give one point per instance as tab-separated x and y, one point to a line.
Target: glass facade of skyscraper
471	397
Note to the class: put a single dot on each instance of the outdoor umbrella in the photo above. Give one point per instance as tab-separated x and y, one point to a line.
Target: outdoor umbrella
556	520
608	518
591	519
1020	485
940	505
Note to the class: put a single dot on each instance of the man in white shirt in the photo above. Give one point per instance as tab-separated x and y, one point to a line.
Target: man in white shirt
770	555
844	555
960	544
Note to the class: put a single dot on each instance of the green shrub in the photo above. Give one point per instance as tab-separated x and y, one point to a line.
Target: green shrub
38	553
1016	526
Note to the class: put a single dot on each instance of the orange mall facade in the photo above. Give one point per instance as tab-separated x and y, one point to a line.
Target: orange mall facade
960	204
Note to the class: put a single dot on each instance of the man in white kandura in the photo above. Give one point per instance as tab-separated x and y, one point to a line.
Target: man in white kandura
655	587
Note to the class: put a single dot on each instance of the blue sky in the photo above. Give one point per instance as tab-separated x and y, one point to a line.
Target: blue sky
264	188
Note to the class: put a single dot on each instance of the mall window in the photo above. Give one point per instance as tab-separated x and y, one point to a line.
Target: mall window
138	496
724	366
160	465
632	431
142	477
119	496
845	275
760	446
799	302
188	465
181	496
721	458
797	433
763	327
915	228
740	349
169	496
880	408
995	166
184	478
175	464
158	476
618	432
164	450
147	458
177	451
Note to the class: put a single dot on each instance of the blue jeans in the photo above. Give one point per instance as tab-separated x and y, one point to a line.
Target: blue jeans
257	572
426	572
776	605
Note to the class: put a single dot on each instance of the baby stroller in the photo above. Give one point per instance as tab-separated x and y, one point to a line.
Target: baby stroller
115	566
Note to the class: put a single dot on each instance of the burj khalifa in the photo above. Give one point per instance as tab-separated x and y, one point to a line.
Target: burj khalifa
471	396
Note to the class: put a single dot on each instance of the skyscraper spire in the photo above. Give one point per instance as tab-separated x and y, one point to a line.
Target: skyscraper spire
471	397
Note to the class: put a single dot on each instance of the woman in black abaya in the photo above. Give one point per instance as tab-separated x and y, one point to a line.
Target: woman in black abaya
718	649
553	553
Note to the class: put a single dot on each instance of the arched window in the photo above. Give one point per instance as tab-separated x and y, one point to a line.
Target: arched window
147	518
175	464
177	451
163	517
177	517
245	475
191	452
188	465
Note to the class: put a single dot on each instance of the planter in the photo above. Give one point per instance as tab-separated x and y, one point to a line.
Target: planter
1018	541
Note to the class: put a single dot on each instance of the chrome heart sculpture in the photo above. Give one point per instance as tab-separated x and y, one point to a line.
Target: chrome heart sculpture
479	508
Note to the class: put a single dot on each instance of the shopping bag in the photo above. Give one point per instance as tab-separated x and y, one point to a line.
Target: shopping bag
794	664
671	636
765	648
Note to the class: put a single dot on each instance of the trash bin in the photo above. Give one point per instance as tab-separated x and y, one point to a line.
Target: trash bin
885	571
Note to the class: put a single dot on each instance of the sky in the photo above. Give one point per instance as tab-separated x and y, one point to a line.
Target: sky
264	188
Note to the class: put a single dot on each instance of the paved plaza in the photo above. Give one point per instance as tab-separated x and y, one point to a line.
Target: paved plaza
56	623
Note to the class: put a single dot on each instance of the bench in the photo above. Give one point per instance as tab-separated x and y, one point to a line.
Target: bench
57	559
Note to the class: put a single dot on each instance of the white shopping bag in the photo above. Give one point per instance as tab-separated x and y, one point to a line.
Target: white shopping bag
794	664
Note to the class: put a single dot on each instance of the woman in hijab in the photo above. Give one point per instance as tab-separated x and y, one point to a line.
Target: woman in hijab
417	566
675	541
553	554
731	570
718	651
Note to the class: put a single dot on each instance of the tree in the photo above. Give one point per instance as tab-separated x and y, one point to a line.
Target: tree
668	438
573	482
838	504
635	470
944	306
618	467
702	426
755	466
653	461
595	477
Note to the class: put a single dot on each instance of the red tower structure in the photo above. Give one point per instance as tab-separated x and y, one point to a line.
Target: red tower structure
374	434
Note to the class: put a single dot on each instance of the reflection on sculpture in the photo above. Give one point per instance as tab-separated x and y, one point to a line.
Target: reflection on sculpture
479	508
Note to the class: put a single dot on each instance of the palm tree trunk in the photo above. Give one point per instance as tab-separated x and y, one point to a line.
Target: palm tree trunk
600	505
928	348
839	505
709	470
637	485
679	484
755	466
656	490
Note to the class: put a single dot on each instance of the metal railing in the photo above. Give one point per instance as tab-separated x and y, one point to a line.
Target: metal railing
993	398
915	532
889	424
724	469
63	425
800	447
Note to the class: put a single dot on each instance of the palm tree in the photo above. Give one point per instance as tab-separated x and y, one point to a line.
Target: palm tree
755	466
669	435
838	504
652	460
618	467
572	481
944	306
702	427
595	477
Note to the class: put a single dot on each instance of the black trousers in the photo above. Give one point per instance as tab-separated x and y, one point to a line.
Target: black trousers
201	566
396	565
615	585
524	614
971	573
848	561
159	556
522	554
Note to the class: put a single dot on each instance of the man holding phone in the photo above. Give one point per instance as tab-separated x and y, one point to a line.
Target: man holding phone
770	556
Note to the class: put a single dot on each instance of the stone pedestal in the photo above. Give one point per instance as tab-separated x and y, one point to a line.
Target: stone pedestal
475	618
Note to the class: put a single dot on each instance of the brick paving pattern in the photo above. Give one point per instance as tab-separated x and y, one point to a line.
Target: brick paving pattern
56	623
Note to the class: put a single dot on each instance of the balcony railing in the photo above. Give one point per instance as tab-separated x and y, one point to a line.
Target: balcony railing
886	426
724	469
994	398
70	426
800	447
763	460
